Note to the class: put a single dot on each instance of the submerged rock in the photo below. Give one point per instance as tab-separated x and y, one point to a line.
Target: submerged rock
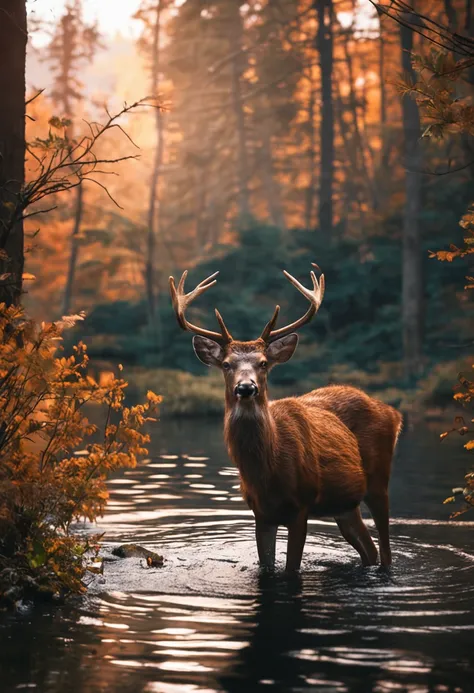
153	560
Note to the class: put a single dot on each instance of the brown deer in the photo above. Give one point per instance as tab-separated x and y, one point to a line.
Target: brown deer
320	454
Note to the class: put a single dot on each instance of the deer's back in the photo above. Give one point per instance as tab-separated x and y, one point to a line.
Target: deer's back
376	425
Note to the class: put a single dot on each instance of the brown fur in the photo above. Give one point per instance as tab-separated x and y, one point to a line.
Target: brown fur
320	454
292	457
375	424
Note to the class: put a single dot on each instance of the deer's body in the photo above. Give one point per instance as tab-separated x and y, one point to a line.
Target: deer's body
319	454
292	457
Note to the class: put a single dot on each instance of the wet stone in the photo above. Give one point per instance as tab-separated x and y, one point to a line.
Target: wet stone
153	560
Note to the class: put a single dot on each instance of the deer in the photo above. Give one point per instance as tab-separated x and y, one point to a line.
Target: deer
316	455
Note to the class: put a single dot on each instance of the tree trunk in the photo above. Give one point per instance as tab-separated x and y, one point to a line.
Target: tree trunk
384	157
152	219
468	18
351	187
270	183
310	190
71	273
359	141
450	12
412	285
13	39
242	159
324	45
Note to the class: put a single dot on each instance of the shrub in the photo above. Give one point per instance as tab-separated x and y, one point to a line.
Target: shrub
46	483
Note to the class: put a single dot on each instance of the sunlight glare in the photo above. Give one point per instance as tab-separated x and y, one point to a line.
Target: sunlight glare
113	17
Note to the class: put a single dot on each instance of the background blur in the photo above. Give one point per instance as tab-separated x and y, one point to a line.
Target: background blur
282	140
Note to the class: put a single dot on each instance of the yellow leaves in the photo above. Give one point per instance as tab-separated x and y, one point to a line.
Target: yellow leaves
153	398
467	221
67	322
469	445
448	255
106	378
47	460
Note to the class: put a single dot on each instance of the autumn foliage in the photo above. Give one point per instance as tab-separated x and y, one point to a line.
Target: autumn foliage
46	482
442	92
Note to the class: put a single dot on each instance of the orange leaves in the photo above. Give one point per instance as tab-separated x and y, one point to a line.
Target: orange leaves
50	470
153	398
446	255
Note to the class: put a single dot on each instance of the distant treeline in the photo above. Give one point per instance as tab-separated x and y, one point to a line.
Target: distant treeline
359	324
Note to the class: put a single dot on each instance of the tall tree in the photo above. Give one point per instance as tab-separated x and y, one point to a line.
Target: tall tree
412	285
267	164
311	188
74	43
235	33
324	45
151	14
13	39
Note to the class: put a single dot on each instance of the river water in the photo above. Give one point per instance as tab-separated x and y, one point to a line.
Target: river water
208	621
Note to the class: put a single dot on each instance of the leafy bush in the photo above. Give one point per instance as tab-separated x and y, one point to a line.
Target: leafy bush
46	483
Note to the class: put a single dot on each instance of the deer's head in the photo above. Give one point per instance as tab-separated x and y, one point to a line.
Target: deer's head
245	365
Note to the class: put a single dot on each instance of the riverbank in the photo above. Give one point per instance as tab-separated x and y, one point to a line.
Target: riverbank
188	395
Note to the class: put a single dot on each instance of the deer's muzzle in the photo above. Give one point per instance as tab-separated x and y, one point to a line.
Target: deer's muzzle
246	390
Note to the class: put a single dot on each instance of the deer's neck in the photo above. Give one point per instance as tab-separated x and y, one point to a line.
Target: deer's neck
251	436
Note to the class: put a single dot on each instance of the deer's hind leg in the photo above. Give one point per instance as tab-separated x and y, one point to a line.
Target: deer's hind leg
377	502
356	533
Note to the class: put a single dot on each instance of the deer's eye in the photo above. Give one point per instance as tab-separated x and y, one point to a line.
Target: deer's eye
263	365
225	365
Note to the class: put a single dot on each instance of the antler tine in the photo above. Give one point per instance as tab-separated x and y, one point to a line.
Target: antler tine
270	325
225	332
314	296
181	301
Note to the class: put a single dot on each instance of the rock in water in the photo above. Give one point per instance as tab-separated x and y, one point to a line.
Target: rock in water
154	560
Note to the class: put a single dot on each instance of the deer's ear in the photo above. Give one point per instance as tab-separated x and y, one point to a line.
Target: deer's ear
208	351
281	350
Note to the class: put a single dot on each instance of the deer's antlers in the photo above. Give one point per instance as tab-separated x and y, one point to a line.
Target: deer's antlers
315	298
181	301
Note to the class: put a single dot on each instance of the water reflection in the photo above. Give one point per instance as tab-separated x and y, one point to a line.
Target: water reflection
209	621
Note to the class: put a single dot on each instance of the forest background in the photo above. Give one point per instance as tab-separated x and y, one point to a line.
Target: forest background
282	138
247	138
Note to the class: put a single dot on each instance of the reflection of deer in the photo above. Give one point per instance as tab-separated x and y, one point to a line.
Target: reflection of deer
319	454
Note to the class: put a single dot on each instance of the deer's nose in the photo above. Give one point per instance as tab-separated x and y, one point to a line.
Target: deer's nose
246	389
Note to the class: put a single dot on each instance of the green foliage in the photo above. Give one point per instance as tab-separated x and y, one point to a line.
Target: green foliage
358	324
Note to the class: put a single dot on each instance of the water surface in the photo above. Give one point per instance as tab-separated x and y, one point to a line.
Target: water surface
208	621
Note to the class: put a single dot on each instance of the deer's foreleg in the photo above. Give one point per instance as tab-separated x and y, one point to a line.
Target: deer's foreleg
296	541
266	543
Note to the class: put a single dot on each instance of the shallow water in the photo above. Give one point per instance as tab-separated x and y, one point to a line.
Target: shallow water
208	621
